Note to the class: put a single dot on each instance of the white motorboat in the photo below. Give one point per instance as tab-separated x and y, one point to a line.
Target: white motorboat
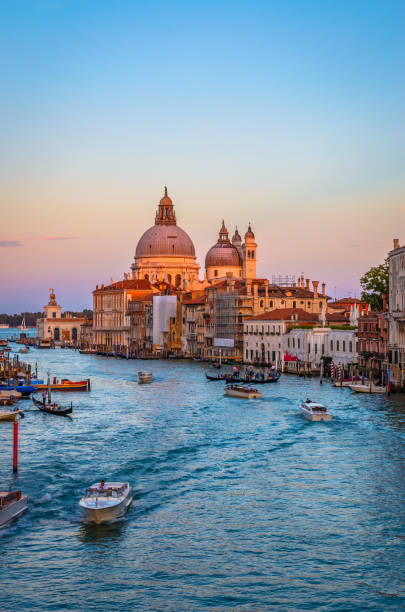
12	504
246	392
145	377
368	388
312	411
106	501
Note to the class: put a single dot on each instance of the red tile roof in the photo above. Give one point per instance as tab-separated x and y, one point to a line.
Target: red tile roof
191	301
135	284
285	314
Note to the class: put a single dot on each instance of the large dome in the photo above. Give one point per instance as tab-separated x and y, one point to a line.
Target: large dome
165	240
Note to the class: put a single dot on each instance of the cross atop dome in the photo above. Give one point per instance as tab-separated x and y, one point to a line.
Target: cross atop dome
165	214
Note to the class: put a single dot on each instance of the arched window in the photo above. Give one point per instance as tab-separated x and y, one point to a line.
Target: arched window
261	303
294	304
169	279
146	276
271	303
178	280
74	334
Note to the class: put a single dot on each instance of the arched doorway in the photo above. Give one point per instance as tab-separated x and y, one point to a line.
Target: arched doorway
56	334
74	334
178	280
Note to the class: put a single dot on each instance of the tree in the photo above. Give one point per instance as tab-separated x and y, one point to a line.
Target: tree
374	283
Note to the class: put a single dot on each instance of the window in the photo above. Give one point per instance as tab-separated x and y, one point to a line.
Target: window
261	303
351	346
54	315
323	349
331	345
293	342
215	272
309	304
288	342
271	303
273	355
247	354
344	346
294	305
337	345
316	348
298	343
178	280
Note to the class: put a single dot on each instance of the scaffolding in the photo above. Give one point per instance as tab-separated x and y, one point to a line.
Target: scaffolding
226	319
283	280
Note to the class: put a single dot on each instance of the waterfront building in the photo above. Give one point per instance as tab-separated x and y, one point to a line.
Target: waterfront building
56	326
311	344
140	311
263	334
111	317
191	308
396	314
373	342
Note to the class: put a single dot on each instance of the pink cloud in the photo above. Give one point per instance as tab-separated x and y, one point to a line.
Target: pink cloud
57	237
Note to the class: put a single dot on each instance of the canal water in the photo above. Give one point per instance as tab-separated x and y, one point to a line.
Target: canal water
238	504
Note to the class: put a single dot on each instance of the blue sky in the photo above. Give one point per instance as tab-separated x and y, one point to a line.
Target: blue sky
287	114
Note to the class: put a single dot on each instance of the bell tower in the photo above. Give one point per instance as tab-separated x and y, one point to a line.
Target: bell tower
52	309
249	255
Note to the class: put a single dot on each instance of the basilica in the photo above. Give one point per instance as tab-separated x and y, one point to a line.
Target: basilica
165	252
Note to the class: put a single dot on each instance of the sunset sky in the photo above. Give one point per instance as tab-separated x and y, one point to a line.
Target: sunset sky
288	114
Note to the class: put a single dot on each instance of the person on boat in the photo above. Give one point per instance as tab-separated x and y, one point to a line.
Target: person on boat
102	483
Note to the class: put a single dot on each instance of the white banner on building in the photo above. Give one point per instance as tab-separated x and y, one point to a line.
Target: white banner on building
224	342
164	307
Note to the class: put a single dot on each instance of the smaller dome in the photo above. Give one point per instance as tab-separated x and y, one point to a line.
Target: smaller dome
249	233
223	253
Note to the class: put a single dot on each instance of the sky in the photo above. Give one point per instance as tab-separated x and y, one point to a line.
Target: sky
288	114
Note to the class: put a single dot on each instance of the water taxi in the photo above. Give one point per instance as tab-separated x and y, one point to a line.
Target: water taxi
312	411
10	415
241	391
368	388
145	377
12	504
106	501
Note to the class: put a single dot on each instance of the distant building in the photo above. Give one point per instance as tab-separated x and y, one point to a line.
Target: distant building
373	342
57	326
396	314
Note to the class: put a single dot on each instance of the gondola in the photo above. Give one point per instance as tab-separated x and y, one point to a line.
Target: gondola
52	408
220	377
233	379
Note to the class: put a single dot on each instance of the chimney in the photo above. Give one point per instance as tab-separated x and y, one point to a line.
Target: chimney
315	286
307	283
323	289
396	243
384	301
